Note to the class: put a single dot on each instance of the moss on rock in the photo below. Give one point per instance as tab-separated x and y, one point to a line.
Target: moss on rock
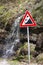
40	58
32	48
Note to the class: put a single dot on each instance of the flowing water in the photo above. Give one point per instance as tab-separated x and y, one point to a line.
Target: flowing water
12	39
11	42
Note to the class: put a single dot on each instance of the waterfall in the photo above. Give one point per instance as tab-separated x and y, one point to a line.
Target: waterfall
12	39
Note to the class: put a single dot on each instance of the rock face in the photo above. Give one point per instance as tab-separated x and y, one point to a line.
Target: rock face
39	58
3	35
8	13
39	43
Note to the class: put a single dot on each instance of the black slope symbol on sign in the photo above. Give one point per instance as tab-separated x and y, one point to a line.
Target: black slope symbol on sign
29	22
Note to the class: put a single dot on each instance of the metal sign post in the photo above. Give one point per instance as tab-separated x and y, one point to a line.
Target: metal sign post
28	21
28	44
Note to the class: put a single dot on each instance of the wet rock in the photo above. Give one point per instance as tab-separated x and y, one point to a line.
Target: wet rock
1	52
1	49
3	35
17	46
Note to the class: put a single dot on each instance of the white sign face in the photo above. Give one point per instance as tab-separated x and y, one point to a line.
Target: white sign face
26	19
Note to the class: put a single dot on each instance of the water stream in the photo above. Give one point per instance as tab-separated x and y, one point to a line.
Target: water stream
11	41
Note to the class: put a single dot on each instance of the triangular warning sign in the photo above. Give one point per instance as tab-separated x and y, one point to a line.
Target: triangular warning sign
27	20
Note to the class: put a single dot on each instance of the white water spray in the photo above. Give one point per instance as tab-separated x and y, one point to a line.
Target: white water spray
4	62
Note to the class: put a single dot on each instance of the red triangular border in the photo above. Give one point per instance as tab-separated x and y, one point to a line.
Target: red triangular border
31	18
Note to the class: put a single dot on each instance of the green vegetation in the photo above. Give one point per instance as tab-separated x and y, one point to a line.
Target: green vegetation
15	62
21	52
9	10
32	48
40	57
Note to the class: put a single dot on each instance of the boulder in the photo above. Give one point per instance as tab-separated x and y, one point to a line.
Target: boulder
40	58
